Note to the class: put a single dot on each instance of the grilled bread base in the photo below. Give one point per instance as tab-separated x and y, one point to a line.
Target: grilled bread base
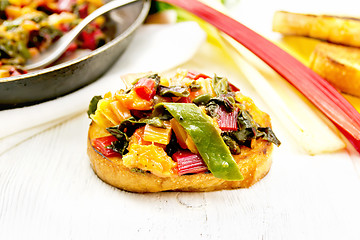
254	164
339	65
335	29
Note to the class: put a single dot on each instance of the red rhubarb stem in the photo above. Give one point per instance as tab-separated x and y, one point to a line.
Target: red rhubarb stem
320	92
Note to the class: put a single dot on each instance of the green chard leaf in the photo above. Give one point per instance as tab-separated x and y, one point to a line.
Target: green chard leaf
194	87
154	76
153	121
232	144
4	4
173	91
267	133
161	112
248	130
173	145
202	99
129	126
214	104
121	145
220	85
23	50
93	105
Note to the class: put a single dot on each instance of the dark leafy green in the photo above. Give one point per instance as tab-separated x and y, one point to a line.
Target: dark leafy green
245	121
93	105
194	87
50	32
267	133
23	50
130	124
232	144
161	112
138	114
248	130
154	76
215	103
173	91
173	145
153	121
220	85
15	51
202	99
121	145
4	4
126	129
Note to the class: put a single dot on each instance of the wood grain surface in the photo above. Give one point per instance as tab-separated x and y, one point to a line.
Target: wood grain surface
48	191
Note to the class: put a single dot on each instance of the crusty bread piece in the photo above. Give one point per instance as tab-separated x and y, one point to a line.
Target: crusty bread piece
340	65
336	29
254	164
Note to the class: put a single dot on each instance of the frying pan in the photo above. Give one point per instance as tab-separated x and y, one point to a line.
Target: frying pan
63	78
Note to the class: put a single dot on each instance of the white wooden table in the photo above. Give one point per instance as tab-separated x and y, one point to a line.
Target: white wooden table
48	191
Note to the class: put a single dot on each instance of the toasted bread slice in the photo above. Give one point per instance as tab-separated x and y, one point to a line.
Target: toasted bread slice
339	65
254	163
336	29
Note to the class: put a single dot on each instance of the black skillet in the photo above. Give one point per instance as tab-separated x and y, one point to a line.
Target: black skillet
63	78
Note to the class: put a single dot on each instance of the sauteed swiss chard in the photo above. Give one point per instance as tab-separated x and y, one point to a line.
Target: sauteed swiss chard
186	124
30	26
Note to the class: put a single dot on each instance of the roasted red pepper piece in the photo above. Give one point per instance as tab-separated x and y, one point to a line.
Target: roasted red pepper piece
102	143
196	75
188	162
145	88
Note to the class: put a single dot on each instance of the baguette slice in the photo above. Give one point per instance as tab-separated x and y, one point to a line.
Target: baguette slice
254	163
339	65
335	29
